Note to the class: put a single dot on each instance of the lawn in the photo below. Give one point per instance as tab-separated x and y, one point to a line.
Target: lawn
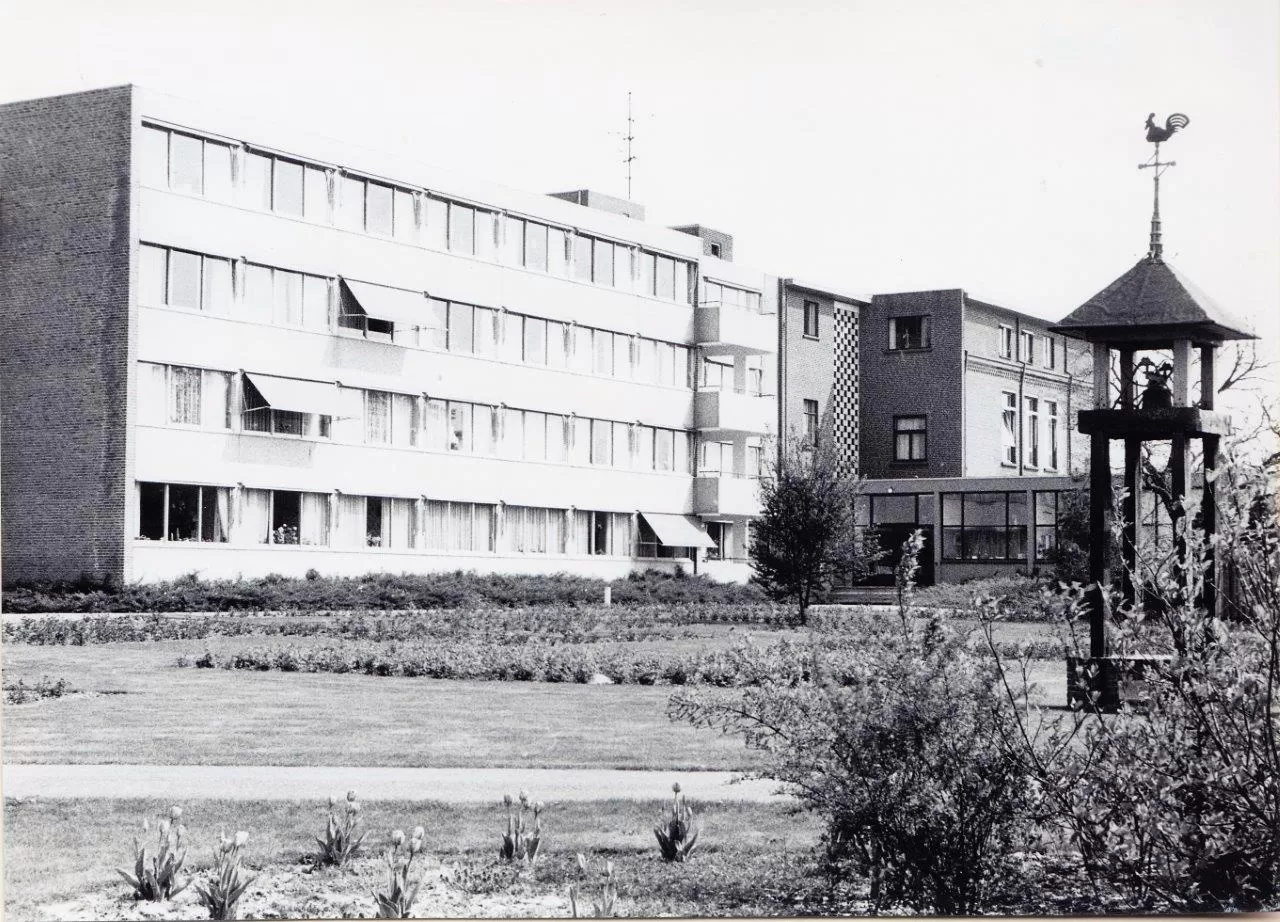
138	707
752	859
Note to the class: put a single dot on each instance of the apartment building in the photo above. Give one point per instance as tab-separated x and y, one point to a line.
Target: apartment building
968	429
236	348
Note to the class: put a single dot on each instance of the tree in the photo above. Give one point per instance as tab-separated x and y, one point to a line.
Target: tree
805	538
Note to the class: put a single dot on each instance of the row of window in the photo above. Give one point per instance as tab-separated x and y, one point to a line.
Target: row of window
231	173
912	332
911	434
976	526
194	281
1033	409
1027	351
177	395
187	512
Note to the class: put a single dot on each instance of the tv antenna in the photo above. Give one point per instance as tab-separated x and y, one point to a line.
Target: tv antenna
629	138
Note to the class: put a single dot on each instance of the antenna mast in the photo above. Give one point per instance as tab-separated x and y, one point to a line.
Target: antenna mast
630	136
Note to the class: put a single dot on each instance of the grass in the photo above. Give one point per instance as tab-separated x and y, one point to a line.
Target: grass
221	717
159	714
57	849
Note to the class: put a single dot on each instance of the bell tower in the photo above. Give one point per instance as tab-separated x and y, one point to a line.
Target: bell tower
1152	308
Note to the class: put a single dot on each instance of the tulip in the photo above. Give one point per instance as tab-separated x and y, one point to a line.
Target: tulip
353	807
524	798
415	846
676	787
397	838
418	832
351	796
242	837
333	802
175	813
506	800
146	824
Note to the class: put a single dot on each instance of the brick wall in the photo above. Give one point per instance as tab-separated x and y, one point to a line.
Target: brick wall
809	361
64	271
926	382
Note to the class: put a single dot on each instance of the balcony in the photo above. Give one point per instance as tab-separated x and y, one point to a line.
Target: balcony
729	412
725	329
726	494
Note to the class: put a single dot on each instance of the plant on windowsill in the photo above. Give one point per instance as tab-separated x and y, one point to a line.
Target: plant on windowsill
373	540
285	534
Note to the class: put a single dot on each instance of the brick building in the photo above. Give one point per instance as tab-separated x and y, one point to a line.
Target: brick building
237	348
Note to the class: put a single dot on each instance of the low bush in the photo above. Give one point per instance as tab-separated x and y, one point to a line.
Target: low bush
742	663
505	626
18	692
382	591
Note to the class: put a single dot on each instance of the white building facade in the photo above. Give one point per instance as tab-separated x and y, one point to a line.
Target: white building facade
346	362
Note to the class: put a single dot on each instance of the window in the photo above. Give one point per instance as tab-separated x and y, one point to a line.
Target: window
462	229
217	172
908	333
315	195
461	328
535	341
1006	342
154	167
601	442
984	526
717	458
1031	441
1051	352
664	450
664	285
377	418
910	438
535	246
602	348
719	532
1051	408
582	258
811	420
459	436
184	396
811	319
350	211
602	533
404	220
602	263
1009	429
287	188
648	545
180	512
1028	345
458	526
1050	506
379	205
186	164
257	416
715	250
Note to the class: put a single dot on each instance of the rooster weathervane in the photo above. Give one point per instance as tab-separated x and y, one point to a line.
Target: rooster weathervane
1157	135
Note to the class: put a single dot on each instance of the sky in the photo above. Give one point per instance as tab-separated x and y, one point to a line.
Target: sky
870	146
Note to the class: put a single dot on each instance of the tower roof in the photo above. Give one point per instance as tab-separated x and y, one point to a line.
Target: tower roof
1152	303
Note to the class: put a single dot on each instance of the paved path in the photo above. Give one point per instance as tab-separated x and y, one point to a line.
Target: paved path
453	785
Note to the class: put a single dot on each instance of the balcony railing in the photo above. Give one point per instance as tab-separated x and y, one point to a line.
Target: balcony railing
728	329
736	495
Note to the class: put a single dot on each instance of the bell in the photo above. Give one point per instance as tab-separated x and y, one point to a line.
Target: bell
1157	396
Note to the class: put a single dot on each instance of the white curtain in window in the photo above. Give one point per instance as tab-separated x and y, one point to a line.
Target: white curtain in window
351	521
255	520
512	537
580	542
397	527
437	427
377	410
556	531
220	510
217	286
216	396
402	420
620	543
512	443
315	519
435	525
460	527
485	527
184	395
